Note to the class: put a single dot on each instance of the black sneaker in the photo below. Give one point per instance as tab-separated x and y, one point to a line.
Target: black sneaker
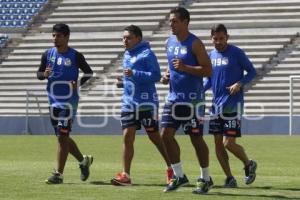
203	186
85	168
230	182
56	178
176	182
250	170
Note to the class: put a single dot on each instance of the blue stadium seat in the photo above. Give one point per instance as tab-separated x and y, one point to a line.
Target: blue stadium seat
18	13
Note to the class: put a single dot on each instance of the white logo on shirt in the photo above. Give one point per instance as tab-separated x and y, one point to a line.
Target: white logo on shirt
183	50
220	61
68	62
133	59
59	61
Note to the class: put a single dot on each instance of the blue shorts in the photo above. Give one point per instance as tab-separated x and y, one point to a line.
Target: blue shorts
61	120
148	118
228	124
189	116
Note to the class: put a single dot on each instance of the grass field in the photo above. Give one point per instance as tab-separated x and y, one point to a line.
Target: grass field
26	161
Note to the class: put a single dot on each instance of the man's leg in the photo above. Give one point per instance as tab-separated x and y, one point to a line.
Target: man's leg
236	149
128	149
172	147
123	178
239	152
222	155
201	150
62	152
74	150
158	142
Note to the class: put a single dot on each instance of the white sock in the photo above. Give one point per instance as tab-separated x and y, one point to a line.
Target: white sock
177	169
205	174
128	176
83	162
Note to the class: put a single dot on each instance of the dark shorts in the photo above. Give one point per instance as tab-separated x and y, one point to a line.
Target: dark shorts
61	120
149	119
228	125
189	116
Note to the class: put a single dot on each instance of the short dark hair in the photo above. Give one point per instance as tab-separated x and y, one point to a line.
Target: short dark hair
182	12
135	30
61	28
218	28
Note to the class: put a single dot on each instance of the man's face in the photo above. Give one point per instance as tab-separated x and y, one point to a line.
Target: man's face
219	39
59	39
130	39
176	24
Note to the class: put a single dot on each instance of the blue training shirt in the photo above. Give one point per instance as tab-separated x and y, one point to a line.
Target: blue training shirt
64	70
228	68
184	87
139	89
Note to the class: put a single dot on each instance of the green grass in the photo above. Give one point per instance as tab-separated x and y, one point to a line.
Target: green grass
26	161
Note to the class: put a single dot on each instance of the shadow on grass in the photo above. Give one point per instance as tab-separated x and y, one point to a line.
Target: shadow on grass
260	188
254	195
108	183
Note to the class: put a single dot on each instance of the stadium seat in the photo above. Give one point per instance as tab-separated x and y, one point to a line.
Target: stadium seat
18	13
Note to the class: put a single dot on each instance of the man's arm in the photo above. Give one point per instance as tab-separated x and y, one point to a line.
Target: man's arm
85	68
151	75
251	73
204	69
206	84
43	71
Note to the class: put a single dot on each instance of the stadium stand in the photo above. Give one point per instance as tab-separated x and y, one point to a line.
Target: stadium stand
266	30
3	40
17	15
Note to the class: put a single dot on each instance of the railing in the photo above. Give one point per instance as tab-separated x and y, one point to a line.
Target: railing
35	96
291	101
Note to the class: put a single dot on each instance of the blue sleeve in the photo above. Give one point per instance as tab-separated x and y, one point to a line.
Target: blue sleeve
207	84
153	71
248	67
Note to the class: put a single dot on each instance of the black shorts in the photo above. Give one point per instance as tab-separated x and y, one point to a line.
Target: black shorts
228	124
189	116
148	118
61	120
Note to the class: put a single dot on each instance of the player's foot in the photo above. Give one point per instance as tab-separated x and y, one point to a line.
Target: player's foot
170	174
85	167
230	182
121	179
203	186
56	178
250	170
176	182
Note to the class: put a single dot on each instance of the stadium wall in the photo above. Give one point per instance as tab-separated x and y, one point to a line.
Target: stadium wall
12	125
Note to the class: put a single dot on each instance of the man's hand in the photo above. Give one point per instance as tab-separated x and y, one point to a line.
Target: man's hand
165	78
119	82
178	65
128	72
48	71
235	88
74	85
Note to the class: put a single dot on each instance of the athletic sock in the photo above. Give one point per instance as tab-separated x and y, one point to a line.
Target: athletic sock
205	174
177	169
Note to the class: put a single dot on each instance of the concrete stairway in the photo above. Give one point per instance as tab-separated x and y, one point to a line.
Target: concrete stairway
95	31
270	95
255	26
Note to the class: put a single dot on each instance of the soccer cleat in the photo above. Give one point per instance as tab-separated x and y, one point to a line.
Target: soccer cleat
202	186
176	182
170	174
230	182
250	170
121	179
56	178
85	167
